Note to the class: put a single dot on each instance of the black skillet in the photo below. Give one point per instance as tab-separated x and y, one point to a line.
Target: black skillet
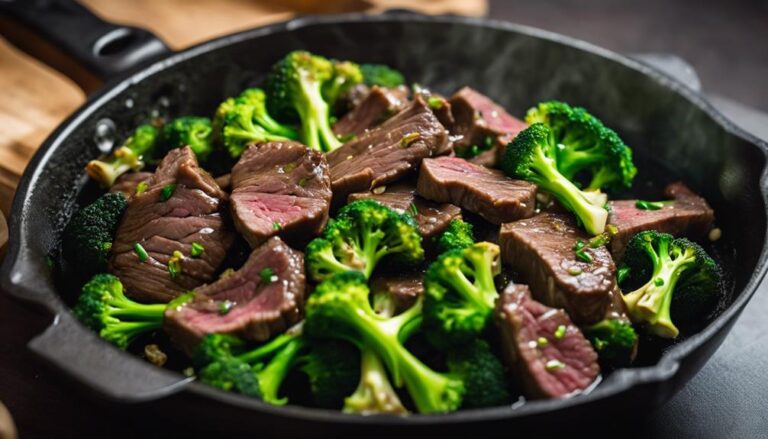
674	132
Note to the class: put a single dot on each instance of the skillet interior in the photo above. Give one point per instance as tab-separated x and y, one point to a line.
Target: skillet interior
661	120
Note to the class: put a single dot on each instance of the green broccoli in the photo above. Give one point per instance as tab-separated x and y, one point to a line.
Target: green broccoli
363	233
585	145
346	75
614	340
104	308
192	131
294	87
243	120
125	158
259	372
483	375
680	279
333	370
374	393
340	308
87	239
458	234
379	74
460	294
533	156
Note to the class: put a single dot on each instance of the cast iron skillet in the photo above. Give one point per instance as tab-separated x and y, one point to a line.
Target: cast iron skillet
664	122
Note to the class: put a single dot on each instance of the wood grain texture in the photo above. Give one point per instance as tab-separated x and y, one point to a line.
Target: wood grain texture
36	99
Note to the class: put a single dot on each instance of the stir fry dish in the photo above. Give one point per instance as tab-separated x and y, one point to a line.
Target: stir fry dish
341	239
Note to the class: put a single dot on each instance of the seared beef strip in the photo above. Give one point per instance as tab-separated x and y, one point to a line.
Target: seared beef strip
487	192
181	206
224	181
552	357
280	188
541	250
264	297
388	152
380	104
127	183
404	288
480	121
432	218
688	215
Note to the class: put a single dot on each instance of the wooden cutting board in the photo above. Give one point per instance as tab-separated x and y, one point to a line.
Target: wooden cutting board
36	99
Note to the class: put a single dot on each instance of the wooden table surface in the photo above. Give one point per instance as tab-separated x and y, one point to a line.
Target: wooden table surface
36	99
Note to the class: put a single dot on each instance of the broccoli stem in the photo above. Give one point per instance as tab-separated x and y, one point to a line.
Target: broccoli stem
593	217
273	374
374	393
651	302
267	349
314	115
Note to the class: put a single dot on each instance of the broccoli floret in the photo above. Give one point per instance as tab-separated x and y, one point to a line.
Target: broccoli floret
379	74
87	239
192	131
679	276
614	340
374	393
458	234
532	156
294	87
585	145
340	308
259	372
243	120
333	370
125	158
483	375
363	233
103	307
346	75
460	294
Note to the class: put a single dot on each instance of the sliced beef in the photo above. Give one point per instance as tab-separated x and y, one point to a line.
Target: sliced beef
181	206
404	288
487	192
127	183
687	215
432	218
380	104
280	188
351	98
551	356
388	152
224	181
264	297
478	121
541	250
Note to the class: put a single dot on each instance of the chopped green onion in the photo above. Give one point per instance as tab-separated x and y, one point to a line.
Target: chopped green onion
167	192
560	332
542	341
196	250
580	253
174	264
408	139
225	306
140	252
268	275
658	282
435	102
612	230
142	187
650	205
412	210
554	365
574	270
276	226
599	240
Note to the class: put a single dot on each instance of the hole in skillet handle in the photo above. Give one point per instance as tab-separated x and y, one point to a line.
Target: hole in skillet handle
114	42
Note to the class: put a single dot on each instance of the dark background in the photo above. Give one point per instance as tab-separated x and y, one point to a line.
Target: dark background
725	41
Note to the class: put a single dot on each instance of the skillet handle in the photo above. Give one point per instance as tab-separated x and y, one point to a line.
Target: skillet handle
104	369
71	39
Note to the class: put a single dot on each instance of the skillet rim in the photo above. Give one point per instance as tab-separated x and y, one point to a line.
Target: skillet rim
622	380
